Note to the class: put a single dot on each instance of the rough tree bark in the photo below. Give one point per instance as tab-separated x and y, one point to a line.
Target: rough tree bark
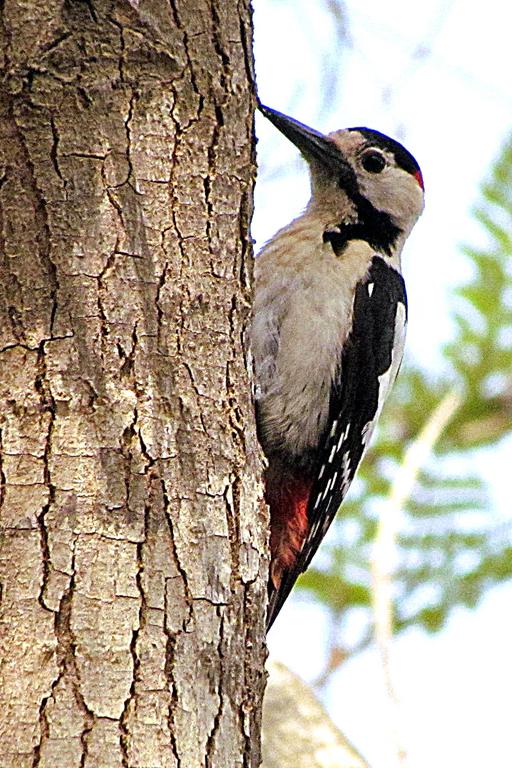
133	552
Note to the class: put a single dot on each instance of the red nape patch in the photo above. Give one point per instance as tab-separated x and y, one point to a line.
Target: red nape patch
419	179
288	501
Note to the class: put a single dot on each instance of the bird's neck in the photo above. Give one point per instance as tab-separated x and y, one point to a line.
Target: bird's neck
357	219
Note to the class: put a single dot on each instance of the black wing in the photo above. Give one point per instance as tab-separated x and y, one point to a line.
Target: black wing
368	367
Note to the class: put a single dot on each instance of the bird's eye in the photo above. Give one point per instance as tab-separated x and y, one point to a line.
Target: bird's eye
374	162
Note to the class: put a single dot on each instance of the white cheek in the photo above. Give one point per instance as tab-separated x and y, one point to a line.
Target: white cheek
396	192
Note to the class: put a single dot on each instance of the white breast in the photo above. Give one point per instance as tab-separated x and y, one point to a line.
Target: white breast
301	318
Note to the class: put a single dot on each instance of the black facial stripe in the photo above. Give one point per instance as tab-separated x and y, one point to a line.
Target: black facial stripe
376	227
403	158
347	180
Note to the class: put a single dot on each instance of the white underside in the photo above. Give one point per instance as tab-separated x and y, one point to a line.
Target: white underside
301	319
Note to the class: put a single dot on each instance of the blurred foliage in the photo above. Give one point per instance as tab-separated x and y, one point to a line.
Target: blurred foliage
451	545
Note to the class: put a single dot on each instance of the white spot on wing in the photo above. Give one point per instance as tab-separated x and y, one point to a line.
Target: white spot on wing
387	379
314	527
370	286
367	432
345	469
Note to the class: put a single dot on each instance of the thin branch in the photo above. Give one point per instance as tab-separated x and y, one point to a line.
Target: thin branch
385	548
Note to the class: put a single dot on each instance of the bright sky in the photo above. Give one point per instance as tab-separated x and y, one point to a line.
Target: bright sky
437	76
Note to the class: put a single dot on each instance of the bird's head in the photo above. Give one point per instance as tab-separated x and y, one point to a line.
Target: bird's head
376	173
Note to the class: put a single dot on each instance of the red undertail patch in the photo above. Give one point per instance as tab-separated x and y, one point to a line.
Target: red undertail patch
288	501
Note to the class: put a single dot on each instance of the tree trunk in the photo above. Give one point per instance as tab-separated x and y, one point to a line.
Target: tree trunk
133	554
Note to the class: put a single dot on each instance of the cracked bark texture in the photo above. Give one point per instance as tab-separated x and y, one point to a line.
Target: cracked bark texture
133	536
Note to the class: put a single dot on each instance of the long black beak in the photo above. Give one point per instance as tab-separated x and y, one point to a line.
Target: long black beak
312	144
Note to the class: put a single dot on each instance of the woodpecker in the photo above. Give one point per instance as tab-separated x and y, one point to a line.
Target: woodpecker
327	331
